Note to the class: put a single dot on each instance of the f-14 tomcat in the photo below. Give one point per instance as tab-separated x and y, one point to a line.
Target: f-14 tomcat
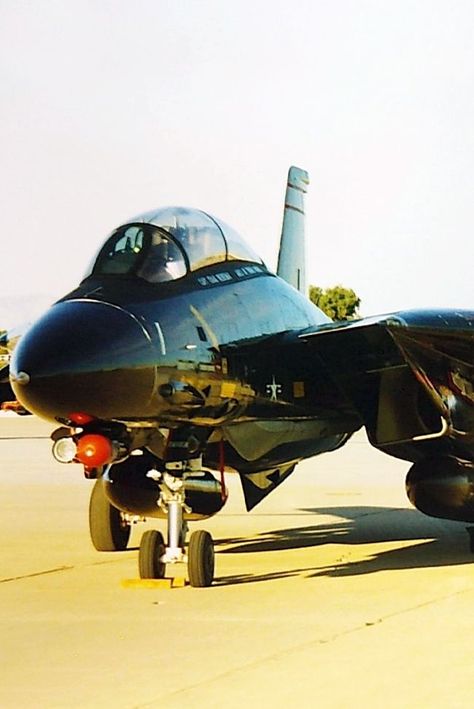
180	357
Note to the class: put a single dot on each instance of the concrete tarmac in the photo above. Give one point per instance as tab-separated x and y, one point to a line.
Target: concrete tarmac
332	593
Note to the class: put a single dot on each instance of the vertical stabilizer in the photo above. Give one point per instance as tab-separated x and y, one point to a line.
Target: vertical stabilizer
292	255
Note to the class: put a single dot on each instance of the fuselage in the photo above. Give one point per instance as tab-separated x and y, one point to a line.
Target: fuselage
201	351
217	346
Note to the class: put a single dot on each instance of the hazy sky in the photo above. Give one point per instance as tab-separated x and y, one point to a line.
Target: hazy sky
112	108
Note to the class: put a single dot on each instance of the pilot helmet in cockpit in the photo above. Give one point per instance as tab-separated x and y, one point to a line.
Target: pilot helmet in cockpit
163	262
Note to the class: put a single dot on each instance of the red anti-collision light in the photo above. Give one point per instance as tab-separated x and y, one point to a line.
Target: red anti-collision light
94	450
80	418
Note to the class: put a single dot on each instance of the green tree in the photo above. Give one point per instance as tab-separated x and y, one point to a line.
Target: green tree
338	303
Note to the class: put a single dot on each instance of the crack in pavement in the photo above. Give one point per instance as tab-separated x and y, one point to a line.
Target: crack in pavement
59	569
37	573
302	646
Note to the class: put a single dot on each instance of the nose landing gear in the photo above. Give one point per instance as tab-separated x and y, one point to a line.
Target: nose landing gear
154	555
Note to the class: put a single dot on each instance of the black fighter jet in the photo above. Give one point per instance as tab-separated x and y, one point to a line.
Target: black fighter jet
181	357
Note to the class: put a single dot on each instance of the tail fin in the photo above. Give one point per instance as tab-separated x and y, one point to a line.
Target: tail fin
292	256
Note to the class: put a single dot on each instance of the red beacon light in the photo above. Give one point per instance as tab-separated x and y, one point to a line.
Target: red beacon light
80	418
94	450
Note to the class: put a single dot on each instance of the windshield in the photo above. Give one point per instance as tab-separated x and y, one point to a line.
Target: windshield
143	251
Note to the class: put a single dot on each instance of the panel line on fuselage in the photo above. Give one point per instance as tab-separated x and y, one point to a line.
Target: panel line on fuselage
161	338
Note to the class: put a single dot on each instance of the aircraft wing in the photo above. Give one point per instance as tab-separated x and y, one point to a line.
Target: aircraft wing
410	375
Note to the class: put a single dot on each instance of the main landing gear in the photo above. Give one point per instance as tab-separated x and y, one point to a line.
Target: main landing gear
154	554
109	528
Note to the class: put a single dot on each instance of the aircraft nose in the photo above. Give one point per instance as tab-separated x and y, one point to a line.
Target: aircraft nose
85	356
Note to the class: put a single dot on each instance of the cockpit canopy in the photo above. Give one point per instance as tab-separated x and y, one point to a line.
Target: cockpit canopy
166	244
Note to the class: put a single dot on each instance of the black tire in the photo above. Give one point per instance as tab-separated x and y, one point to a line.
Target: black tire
152	548
107	528
201	559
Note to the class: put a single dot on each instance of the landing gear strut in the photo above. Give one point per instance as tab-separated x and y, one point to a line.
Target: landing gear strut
154	555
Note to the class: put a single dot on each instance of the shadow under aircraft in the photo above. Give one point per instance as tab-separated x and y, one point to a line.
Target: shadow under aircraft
436	543
181	357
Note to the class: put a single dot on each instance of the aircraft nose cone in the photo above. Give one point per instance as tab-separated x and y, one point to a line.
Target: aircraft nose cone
85	356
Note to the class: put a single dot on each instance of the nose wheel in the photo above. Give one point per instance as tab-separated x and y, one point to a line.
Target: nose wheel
201	559
150	555
154	555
